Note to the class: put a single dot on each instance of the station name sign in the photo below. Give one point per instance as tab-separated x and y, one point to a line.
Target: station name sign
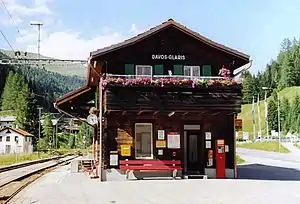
168	57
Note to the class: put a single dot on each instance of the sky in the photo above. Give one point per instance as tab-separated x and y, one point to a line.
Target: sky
74	28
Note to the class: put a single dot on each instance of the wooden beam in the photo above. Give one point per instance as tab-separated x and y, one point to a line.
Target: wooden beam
216	113
140	112
185	113
124	112
156	112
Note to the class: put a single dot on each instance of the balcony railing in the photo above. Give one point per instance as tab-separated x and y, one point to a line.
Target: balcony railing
154	77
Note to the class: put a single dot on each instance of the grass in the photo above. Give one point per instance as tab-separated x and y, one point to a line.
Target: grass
10	159
239	160
271	146
297	145
246	113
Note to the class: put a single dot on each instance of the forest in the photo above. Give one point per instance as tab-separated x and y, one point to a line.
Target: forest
24	88
280	73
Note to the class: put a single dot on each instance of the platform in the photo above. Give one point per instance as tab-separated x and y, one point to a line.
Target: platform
61	186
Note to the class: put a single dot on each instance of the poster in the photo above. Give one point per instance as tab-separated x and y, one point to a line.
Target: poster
208	144
161	134
173	140
208	135
160	143
125	150
226	148
160	152
113	160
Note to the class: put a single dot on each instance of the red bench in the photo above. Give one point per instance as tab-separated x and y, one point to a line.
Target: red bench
150	165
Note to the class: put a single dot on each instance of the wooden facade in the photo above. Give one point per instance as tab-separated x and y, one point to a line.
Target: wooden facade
145	116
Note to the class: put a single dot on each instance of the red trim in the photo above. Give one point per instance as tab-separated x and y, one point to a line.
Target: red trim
157	162
150	165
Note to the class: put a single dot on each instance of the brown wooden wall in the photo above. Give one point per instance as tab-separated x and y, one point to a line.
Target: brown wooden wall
172	99
168	41
221	126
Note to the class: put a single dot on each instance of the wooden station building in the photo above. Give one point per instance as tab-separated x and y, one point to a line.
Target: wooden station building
165	94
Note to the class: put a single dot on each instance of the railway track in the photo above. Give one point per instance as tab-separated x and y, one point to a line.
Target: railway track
14	185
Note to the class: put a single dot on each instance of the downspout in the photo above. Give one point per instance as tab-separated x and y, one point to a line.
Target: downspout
244	69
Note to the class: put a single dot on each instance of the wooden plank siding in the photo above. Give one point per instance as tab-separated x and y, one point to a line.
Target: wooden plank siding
220	126
172	99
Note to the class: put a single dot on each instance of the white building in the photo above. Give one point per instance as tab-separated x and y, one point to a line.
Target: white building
14	140
7	121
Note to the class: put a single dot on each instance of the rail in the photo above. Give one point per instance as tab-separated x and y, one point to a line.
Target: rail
14	183
154	77
24	164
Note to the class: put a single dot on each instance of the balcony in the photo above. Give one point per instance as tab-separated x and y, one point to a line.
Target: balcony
112	80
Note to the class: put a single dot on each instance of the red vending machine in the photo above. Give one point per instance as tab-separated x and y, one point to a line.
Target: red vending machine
220	159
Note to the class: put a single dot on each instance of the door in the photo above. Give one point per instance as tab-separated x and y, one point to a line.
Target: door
7	149
194	157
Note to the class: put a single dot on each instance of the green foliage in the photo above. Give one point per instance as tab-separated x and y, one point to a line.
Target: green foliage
285	114
295	111
8	99
46	85
282	75
84	138
48	130
272	146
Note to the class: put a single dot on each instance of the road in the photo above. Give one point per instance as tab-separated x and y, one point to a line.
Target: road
270	165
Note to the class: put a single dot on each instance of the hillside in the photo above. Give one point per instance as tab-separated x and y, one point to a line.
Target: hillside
46	85
246	113
64	68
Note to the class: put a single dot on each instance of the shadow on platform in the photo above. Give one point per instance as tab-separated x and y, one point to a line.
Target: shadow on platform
264	172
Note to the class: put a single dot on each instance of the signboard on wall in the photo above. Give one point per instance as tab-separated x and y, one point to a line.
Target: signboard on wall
174	140
160	143
168	57
125	150
161	134
238	125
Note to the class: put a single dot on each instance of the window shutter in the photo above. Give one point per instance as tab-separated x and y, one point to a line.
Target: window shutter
178	69
129	69
159	69
206	70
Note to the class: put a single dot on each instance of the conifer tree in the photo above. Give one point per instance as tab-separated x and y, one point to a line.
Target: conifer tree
8	98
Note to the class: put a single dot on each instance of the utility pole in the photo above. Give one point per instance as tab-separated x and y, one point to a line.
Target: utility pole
40	113
38	24
266	114
278	109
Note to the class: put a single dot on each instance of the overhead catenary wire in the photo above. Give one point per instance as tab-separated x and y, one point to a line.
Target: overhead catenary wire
12	19
7	41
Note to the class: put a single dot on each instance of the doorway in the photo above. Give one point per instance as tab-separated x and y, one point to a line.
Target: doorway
194	160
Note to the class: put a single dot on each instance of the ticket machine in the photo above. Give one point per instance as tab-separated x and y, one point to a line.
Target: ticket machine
220	159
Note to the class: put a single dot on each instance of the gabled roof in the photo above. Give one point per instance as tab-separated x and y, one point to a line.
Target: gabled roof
160	27
21	132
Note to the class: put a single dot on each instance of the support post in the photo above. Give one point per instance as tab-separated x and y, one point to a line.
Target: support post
278	109
100	130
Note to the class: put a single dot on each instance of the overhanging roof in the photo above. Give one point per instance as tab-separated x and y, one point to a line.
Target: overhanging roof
162	26
76	103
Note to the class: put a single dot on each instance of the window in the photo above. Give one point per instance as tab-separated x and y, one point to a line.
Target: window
16	139
129	69
191	71
0	138
7	138
177	69
143	141
143	70
206	70
159	69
